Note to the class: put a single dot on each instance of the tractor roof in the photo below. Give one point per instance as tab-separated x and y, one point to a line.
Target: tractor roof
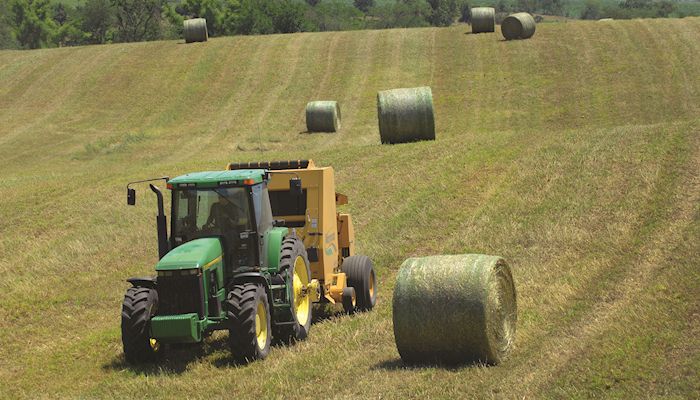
218	178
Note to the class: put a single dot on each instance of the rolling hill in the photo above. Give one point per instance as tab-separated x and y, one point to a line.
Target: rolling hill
575	155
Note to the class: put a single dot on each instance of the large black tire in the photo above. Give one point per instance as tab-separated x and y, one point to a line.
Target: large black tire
140	304
249	336
360	274
292	250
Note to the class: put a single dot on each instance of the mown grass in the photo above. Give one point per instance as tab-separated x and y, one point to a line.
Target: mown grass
575	155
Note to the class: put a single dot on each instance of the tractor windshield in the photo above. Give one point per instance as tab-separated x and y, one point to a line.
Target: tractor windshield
205	212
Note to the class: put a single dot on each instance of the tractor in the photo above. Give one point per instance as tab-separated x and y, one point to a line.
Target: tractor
250	249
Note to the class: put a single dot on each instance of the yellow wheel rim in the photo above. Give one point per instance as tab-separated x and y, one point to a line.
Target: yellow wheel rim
371	285
302	304
155	344
261	325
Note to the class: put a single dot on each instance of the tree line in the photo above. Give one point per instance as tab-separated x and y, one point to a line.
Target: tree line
31	24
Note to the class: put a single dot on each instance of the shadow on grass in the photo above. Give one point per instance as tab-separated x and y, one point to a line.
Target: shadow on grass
176	358
399	365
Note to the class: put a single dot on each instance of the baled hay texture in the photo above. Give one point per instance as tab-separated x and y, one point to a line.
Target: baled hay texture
196	30
322	116
454	309
406	115
518	26
483	19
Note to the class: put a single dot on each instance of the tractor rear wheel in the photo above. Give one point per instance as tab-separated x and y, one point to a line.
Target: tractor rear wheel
360	274
294	265
248	312
140	304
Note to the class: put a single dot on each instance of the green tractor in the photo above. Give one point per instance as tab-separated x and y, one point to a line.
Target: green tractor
250	250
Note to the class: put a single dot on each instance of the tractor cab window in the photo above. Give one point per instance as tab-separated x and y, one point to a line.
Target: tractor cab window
207	212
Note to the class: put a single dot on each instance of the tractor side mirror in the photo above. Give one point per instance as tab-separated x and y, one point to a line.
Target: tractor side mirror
295	187
130	196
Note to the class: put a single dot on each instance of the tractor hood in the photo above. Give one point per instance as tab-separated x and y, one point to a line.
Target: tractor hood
199	253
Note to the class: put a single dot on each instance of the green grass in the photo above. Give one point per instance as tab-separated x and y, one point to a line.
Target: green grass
575	155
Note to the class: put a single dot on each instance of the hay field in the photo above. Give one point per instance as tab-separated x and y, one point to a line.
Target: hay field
575	155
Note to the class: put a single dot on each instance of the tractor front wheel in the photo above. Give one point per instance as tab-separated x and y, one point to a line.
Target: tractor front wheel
140	304
248	312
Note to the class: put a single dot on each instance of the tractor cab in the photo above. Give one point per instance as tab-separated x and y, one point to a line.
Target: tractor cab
233	206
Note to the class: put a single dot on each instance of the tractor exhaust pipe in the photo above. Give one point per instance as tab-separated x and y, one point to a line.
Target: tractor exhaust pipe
161	224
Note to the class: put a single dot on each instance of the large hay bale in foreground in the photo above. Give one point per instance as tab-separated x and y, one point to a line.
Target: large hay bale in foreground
322	116
196	30
406	115
518	26
483	19
454	309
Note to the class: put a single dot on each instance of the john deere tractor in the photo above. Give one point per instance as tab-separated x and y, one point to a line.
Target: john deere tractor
250	249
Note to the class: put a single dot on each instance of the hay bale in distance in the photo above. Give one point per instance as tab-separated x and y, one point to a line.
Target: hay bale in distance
518	26
322	116
605	20
483	19
196	30
406	115
454	309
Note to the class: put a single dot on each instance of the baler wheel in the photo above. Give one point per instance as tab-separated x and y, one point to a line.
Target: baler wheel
361	276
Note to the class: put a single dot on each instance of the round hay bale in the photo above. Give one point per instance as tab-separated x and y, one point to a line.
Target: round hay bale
518	26
483	19
322	116
406	115
196	30
454	309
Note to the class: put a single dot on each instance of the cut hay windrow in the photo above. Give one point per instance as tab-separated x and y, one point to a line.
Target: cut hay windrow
518	26
322	116
454	309
483	19
406	115
195	30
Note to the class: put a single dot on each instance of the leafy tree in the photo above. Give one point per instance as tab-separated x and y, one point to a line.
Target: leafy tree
70	34
60	15
363	5
173	22
97	18
502	6
636	4
551	7
444	12
288	16
592	10
250	20
402	14
313	3
527	5
7	37
211	10
665	8
335	15
138	20
34	26
465	11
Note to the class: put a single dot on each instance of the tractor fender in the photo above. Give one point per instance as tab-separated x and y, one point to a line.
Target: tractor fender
147	282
